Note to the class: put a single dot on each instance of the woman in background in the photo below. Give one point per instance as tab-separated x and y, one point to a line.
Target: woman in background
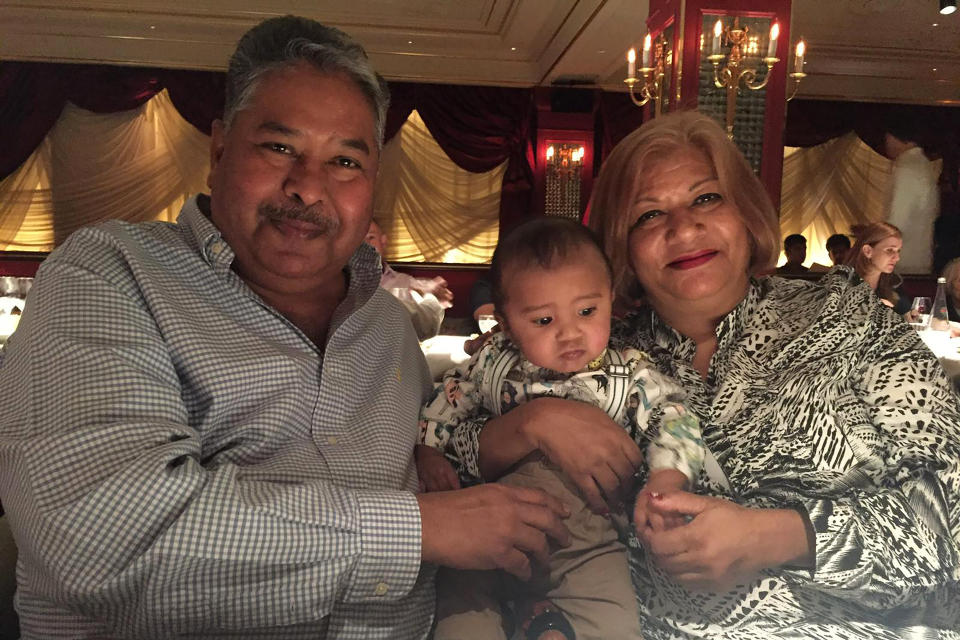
874	256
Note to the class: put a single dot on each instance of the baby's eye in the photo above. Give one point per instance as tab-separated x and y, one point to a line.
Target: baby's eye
705	198
589	311
542	322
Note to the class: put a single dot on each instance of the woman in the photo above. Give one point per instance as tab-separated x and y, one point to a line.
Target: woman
832	501
874	256
951	272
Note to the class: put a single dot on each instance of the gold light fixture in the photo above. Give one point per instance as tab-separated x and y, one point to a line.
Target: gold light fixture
735	72
649	86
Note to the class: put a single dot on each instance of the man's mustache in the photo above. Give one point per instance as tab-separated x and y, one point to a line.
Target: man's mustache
311	215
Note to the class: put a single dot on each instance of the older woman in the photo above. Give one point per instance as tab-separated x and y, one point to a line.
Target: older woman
874	257
831	505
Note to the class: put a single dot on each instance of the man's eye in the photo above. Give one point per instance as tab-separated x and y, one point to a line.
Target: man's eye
346	163
705	198
279	147
589	311
542	322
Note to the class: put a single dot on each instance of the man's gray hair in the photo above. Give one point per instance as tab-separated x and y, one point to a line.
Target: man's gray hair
283	42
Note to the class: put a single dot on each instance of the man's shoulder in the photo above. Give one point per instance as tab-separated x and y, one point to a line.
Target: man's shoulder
116	240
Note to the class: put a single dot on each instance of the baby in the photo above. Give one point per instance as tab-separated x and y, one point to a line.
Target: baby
552	290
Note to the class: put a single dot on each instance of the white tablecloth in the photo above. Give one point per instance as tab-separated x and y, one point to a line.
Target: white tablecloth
946	348
443	353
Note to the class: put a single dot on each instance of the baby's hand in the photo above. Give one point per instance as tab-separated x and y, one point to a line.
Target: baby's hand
435	471
645	513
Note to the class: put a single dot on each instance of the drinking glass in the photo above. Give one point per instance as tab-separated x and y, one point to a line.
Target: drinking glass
486	322
920	311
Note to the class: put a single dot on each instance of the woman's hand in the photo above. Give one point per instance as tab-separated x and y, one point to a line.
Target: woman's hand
724	544
660	482
594	451
435	471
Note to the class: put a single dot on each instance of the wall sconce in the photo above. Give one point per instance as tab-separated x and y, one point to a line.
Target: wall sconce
652	71
948	6
564	163
736	73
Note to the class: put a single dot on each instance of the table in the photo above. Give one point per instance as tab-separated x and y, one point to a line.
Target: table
444	352
946	347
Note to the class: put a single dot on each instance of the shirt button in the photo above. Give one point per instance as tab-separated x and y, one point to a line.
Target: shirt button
381	589
332	440
216	248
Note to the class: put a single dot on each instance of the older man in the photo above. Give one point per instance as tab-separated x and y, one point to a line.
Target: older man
207	427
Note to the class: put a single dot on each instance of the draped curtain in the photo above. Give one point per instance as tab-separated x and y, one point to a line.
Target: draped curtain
479	128
134	165
838	177
831	187
431	209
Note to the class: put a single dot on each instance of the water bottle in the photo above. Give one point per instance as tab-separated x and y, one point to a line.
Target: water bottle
939	318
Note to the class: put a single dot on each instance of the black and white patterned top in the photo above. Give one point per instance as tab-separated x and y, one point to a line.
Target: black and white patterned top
178	460
822	399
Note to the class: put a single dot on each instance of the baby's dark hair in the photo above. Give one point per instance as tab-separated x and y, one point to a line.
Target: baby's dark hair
544	242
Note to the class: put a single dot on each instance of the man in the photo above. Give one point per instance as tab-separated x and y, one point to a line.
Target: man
838	246
423	299
914	196
207	428
795	250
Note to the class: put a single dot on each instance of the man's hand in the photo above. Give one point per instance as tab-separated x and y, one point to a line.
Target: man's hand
594	451
438	287
724	544
661	482
491	527
435	471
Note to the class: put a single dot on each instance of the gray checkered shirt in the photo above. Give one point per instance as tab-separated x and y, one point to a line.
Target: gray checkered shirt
178	460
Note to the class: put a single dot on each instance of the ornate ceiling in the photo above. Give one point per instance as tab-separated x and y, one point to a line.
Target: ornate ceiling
875	50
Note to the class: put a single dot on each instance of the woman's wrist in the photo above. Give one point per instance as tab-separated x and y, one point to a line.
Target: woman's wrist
786	536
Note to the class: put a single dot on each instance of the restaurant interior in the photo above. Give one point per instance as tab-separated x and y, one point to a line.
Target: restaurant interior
501	110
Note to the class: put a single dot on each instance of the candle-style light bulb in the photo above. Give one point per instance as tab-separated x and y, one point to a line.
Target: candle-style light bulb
550	152
798	57
647	51
774	34
632	63
717	30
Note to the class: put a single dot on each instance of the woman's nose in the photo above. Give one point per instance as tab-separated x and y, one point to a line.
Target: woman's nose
306	182
683	221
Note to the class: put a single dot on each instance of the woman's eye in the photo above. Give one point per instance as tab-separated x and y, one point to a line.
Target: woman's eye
645	217
705	198
589	311
542	322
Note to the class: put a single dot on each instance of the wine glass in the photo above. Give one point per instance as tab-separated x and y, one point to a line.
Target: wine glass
486	322
920	312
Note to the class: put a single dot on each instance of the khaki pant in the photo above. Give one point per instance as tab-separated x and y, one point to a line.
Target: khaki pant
589	581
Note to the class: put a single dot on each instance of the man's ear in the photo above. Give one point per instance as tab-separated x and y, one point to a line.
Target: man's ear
217	132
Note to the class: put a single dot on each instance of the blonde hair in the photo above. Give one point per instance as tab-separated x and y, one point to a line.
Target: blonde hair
654	141
870	235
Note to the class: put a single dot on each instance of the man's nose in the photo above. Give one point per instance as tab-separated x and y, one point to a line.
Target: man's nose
306	181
